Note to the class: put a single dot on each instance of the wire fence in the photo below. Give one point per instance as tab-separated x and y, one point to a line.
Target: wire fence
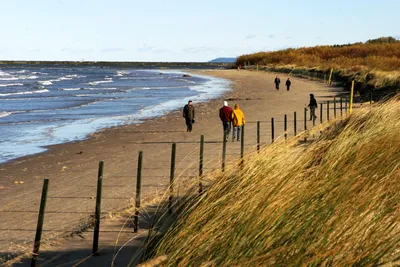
63	211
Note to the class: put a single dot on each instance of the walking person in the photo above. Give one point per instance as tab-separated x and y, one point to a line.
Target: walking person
288	84
237	122
188	114
225	114
313	105
277	81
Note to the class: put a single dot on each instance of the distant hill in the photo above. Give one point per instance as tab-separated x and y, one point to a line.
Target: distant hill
223	60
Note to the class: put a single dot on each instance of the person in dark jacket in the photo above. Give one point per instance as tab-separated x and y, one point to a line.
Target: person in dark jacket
225	114
312	105
288	83
188	114
277	81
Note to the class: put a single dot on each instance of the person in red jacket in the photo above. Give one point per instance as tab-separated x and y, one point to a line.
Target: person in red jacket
225	114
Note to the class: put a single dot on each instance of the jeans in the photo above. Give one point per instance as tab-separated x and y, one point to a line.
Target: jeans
227	129
236	133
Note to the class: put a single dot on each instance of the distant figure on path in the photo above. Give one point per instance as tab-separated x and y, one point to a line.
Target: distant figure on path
239	67
288	83
188	114
225	114
277	82
313	105
237	122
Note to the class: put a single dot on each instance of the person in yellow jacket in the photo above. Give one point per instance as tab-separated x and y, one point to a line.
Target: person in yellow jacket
237	121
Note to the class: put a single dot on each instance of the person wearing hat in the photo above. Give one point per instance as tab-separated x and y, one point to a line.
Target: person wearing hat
313	105
237	122
225	114
188	114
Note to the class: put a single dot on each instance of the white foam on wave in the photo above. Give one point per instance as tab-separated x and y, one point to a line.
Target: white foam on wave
8	79
121	73
2	73
109	80
71	89
209	90
11	84
22	77
64	78
49	82
26	92
5	114
187	81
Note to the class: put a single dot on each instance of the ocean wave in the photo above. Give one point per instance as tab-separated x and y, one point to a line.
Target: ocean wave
187	81
121	73
109	80
26	92
106	88
2	73
23	77
64	78
71	89
11	84
5	114
41	73
8	79
49	82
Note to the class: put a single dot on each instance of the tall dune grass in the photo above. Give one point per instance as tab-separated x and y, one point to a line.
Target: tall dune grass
360	56
334	201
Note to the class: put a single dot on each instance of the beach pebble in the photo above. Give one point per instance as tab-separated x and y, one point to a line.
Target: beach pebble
64	168
2	187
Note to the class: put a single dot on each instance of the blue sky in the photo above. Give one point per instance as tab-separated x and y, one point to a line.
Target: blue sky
177	30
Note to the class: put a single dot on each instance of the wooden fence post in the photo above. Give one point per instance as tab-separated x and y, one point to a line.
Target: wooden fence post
258	136
320	112
334	107
341	106
327	110
138	192
96	230
201	163
223	152
272	130
39	227
242	143
172	177
285	126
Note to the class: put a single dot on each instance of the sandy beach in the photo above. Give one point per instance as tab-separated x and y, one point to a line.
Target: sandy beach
72	167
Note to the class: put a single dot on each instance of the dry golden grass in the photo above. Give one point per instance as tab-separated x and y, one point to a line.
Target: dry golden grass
334	201
356	57
377	59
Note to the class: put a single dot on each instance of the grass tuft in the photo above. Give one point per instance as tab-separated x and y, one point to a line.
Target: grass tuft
333	201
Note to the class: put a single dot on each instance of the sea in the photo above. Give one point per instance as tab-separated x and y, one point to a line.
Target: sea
48	105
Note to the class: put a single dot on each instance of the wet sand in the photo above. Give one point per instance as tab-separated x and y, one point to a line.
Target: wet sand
72	167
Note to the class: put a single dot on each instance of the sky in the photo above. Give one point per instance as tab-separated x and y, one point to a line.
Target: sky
185	31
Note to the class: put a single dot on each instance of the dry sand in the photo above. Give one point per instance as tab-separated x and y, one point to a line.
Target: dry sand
72	167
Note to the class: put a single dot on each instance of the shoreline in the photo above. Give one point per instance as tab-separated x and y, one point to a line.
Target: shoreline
72	167
223	86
